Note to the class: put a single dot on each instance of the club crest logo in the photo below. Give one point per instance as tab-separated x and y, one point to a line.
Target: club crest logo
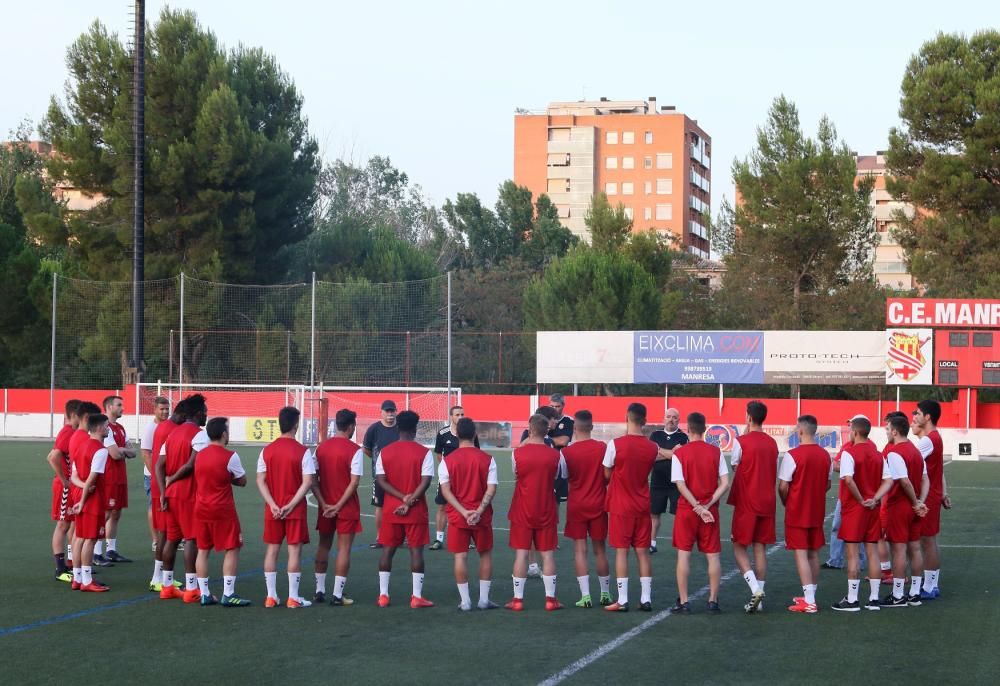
906	358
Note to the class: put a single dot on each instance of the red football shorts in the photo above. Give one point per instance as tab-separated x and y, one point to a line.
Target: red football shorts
159	517
180	524
392	535
859	525
883	516
62	503
90	525
326	526
752	528
595	529
930	524
524	537
118	496
630	531
276	531
690	529
219	534
459	539
804	537
904	525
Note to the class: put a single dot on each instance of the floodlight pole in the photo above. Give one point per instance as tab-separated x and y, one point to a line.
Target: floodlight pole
449	338
138	206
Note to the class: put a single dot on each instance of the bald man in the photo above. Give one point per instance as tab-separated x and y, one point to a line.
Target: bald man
663	493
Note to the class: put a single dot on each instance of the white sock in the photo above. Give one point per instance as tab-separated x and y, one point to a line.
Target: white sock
338	586
157	572
752	582
86	575
229	584
99	547
761	582
418	584
203	585
77	575
293	584
885	566
167	577
440	536
652	544
852	590
321	582
915	585
646	584
873	586
383	583
112	544
190	582
623	591
897	587
463	592
550	585
271	580
519	582
584	582
484	592
69	553
810	593
605	582
930	579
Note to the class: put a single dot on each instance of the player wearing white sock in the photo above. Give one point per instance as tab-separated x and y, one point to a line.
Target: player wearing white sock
925	419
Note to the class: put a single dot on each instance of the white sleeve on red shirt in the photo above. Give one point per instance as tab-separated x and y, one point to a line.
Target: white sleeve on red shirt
357	463
261	465
609	455
100	461
677	470
378	466
491	476
308	462
886	474
897	467
235	466
443	476
146	442
110	441
925	446
787	469
200	441
723	468
846	464
427	468
737	453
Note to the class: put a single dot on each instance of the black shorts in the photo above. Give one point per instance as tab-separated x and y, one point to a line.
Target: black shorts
561	489
438	498
661	498
378	495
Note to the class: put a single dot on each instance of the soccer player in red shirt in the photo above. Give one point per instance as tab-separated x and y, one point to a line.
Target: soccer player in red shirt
76	441
585	515
926	417
904	513
403	471
885	555
89	463
161	413
58	459
217	469
157	452
701	475
117	478
628	460
864	479
339	467
533	514
285	471
175	477
803	480
468	478
755	463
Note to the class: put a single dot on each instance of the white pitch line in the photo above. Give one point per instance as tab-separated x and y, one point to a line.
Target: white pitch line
990	547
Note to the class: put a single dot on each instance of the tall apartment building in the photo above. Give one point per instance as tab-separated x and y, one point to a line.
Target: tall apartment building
655	162
76	200
890	266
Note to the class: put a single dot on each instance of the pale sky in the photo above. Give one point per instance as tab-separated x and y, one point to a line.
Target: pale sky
434	84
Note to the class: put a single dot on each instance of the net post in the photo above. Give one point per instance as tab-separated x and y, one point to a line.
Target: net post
312	336
449	338
52	362
138	432
180	346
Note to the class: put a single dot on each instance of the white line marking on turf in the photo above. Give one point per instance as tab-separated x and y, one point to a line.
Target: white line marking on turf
968	546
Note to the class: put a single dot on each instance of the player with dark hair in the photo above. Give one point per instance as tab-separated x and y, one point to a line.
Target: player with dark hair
468	478
585	515
116	478
404	470
161	412
547	411
77	440
884	552
216	471
87	477
755	463
445	443
926	417
58	459
628	461
339	467
702	477
157	452
285	471
803	480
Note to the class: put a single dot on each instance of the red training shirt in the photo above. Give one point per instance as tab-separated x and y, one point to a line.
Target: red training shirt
404	464
214	471
179	448
808	475
467	471
700	464
535	469
756	455
630	459
334	460
587	487
285	460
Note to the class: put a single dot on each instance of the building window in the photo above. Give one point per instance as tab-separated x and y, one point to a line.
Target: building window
628	212
627	188
611	163
563	211
648	187
647	162
611	137
628	163
664	160
558	159
664	212
649	137
559	134
664	186
647	213
611	188
628	137
558	186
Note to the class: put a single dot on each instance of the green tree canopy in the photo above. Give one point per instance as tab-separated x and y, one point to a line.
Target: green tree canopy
945	158
610	228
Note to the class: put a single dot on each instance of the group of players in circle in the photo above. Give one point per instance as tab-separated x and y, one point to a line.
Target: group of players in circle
888	505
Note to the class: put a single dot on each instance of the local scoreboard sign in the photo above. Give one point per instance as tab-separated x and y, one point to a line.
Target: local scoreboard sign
967	358
938	313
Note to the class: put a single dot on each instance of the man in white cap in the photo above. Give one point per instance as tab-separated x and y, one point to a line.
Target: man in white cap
836	559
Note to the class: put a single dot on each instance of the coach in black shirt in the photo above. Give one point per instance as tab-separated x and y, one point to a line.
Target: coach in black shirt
663	493
379	435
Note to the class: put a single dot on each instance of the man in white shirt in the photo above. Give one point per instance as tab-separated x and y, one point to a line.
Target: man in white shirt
161	411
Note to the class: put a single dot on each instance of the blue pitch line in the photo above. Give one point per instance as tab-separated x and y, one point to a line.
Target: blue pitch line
94	610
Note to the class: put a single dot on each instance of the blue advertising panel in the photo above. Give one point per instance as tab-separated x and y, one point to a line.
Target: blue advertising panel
699	357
